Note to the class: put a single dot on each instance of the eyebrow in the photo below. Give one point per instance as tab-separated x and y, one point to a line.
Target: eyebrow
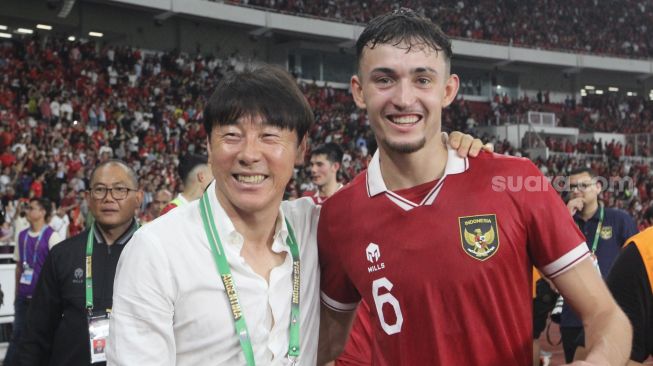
417	70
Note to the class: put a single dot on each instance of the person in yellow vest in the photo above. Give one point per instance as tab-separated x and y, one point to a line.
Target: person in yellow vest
196	175
631	283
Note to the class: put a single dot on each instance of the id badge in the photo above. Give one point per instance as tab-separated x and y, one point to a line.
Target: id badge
26	276
98	331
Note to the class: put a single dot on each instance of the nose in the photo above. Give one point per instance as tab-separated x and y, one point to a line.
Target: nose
404	95
250	152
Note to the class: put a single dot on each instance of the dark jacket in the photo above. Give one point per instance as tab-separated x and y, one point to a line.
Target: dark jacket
57	325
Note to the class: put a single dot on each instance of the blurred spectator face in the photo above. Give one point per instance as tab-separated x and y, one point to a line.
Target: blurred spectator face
252	163
117	206
35	212
583	186
404	93
161	198
322	170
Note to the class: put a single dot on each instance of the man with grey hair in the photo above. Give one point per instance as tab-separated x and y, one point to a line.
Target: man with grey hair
67	322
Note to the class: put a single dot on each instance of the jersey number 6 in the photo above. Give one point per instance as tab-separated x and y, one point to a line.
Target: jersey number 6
379	300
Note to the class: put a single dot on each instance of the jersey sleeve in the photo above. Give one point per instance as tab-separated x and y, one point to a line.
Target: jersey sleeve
337	290
629	229
628	282
555	244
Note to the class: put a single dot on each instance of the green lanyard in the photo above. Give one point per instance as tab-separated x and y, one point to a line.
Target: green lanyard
225	273
598	229
89	270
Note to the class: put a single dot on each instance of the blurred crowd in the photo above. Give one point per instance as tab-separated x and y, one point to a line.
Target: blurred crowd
65	106
591	26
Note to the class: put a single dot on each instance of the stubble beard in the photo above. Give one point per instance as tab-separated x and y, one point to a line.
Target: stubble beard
404	148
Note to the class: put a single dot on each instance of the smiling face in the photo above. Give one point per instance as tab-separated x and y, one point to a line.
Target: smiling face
404	93
323	171
252	163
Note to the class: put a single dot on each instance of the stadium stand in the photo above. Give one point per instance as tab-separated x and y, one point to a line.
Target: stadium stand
587	26
64	106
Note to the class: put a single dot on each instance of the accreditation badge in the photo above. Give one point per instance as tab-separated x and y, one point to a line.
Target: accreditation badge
27	276
98	331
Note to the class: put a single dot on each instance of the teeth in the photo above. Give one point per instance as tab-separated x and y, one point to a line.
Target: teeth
405	119
252	179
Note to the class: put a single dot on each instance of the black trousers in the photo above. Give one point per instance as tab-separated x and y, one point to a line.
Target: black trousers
570	341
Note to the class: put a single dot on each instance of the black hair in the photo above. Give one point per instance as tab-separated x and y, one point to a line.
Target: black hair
45	204
404	26
188	163
268	92
583	171
332	151
132	175
648	214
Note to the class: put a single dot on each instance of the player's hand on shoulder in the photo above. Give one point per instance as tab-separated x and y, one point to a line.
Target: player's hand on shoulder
466	144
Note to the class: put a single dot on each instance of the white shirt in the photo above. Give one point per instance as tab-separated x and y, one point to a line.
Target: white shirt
170	306
60	225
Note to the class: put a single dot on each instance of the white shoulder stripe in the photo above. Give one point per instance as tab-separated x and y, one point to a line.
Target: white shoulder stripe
335	305
566	262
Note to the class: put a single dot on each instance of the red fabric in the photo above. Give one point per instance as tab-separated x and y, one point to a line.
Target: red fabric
357	349
450	303
7	159
167	208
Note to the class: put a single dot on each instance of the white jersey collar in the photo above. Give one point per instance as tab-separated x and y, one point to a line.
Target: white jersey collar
376	185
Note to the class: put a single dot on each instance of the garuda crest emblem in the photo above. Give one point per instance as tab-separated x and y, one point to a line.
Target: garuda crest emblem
479	236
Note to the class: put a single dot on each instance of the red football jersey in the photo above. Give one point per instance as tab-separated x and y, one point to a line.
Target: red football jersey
447	280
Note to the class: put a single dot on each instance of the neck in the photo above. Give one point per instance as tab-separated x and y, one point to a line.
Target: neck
328	189
37	226
193	192
401	171
257	228
111	234
589	210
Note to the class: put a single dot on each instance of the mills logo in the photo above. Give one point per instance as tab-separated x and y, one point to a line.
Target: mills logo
78	276
373	253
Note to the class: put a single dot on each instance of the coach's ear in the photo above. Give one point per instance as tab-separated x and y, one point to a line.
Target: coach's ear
301	150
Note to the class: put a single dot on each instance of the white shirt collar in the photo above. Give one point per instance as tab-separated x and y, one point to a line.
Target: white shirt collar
376	185
183	199
229	234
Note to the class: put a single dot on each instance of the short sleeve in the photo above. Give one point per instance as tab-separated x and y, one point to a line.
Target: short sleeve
338	292
555	243
629	228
